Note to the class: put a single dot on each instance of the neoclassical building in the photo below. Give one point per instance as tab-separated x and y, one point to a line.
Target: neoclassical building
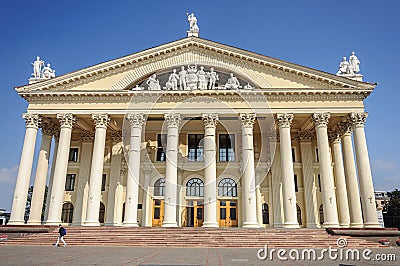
197	133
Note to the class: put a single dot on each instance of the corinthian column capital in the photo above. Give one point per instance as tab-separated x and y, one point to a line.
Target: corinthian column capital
247	119
321	119
47	127
358	119
32	120
136	119
101	120
305	136
173	120
334	137
284	120
210	120
87	136
344	128
66	120
116	136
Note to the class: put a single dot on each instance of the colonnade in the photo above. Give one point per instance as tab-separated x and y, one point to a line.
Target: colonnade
342	206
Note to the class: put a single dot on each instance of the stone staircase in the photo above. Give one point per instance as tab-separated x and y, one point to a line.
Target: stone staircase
191	237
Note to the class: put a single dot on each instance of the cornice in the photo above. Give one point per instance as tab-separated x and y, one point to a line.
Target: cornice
123	63
269	94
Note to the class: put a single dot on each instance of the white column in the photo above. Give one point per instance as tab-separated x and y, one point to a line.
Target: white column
364	171
170	205
341	189
147	206
305	138
82	190
248	177
353	195
96	170
136	122
288	188
60	170
258	198
210	171
277	206
112	201
25	168
56	134
35	216
325	167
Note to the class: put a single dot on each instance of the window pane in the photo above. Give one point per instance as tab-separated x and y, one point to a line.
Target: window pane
157	213
222	213
233	213
200	213
73	155
161	147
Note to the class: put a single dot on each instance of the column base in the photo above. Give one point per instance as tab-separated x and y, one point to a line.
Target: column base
356	225
53	222
250	225
312	225
112	224
169	224
34	223
291	225
329	225
77	223
372	225
91	223
210	224
278	225
342	225
20	222
130	224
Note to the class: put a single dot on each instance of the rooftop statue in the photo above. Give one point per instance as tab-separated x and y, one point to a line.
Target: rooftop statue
192	22
345	68
40	72
354	62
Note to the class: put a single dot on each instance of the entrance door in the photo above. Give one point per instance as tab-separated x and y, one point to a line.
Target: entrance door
228	213
158	212
194	213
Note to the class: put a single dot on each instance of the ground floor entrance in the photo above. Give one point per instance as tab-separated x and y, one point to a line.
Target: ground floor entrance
158	212
228	216
194	213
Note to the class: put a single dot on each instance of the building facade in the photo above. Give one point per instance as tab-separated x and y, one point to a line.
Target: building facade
197	133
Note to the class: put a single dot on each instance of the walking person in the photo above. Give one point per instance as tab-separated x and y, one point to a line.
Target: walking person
62	231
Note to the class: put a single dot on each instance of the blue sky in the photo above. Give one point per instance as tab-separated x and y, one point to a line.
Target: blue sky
76	34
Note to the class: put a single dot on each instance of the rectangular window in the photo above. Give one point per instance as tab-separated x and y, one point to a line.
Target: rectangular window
195	147
103	182
161	147
73	154
70	182
293	155
319	182
296	188
316	155
226	147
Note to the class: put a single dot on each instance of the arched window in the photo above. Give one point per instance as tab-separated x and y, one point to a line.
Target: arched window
265	213
102	211
67	212
159	187
195	187
299	214
321	214
227	187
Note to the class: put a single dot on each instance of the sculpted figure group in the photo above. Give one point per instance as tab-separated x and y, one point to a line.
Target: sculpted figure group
351	67
193	78
40	73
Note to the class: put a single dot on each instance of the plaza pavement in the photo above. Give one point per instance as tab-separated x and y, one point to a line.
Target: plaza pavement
50	255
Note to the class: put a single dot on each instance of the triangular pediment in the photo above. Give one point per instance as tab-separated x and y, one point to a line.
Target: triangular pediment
261	71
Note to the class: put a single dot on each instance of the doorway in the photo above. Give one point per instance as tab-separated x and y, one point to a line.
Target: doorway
194	213
158	212
228	216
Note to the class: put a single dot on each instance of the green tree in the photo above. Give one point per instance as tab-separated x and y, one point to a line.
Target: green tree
392	217
29	200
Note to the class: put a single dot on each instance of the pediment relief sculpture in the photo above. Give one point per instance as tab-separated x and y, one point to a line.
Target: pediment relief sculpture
192	78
